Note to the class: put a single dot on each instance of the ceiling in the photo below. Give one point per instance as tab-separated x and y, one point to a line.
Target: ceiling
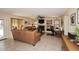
34	11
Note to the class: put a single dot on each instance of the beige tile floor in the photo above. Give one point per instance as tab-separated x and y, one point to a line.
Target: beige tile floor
47	43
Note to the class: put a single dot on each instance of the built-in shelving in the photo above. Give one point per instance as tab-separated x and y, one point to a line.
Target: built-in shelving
50	21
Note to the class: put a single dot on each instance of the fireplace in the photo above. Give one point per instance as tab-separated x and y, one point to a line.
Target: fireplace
41	28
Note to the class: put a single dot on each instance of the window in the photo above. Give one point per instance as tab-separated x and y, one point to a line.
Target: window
1	28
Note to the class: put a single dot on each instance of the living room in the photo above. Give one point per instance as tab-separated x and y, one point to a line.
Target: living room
42	28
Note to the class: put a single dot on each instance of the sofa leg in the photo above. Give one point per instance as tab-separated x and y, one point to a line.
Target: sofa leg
33	44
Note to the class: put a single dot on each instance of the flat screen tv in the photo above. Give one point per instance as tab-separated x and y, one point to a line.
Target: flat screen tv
41	21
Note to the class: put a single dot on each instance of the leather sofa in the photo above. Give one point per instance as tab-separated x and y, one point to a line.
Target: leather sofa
31	37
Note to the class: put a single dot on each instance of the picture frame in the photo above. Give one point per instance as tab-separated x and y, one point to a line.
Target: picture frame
77	15
73	19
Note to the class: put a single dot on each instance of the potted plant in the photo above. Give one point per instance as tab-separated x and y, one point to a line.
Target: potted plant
77	33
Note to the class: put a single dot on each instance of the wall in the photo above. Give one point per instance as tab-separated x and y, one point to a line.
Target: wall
67	25
29	21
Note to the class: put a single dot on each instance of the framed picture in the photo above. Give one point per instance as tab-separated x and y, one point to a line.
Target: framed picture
78	15
73	19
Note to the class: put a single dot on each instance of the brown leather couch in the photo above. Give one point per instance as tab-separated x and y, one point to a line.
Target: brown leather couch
31	37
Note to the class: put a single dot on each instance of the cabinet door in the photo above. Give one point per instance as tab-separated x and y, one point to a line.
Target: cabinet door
64	47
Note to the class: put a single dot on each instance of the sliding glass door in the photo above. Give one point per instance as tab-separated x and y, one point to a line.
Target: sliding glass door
1	28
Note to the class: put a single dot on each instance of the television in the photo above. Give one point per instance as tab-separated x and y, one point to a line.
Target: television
41	21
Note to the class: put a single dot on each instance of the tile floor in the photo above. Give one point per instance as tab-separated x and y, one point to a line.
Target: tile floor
47	43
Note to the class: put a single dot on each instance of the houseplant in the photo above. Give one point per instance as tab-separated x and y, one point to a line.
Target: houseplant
77	33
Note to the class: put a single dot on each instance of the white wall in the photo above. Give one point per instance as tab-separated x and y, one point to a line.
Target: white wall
67	25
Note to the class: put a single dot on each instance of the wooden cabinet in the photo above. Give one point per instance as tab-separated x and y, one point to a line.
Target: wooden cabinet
67	45
64	47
